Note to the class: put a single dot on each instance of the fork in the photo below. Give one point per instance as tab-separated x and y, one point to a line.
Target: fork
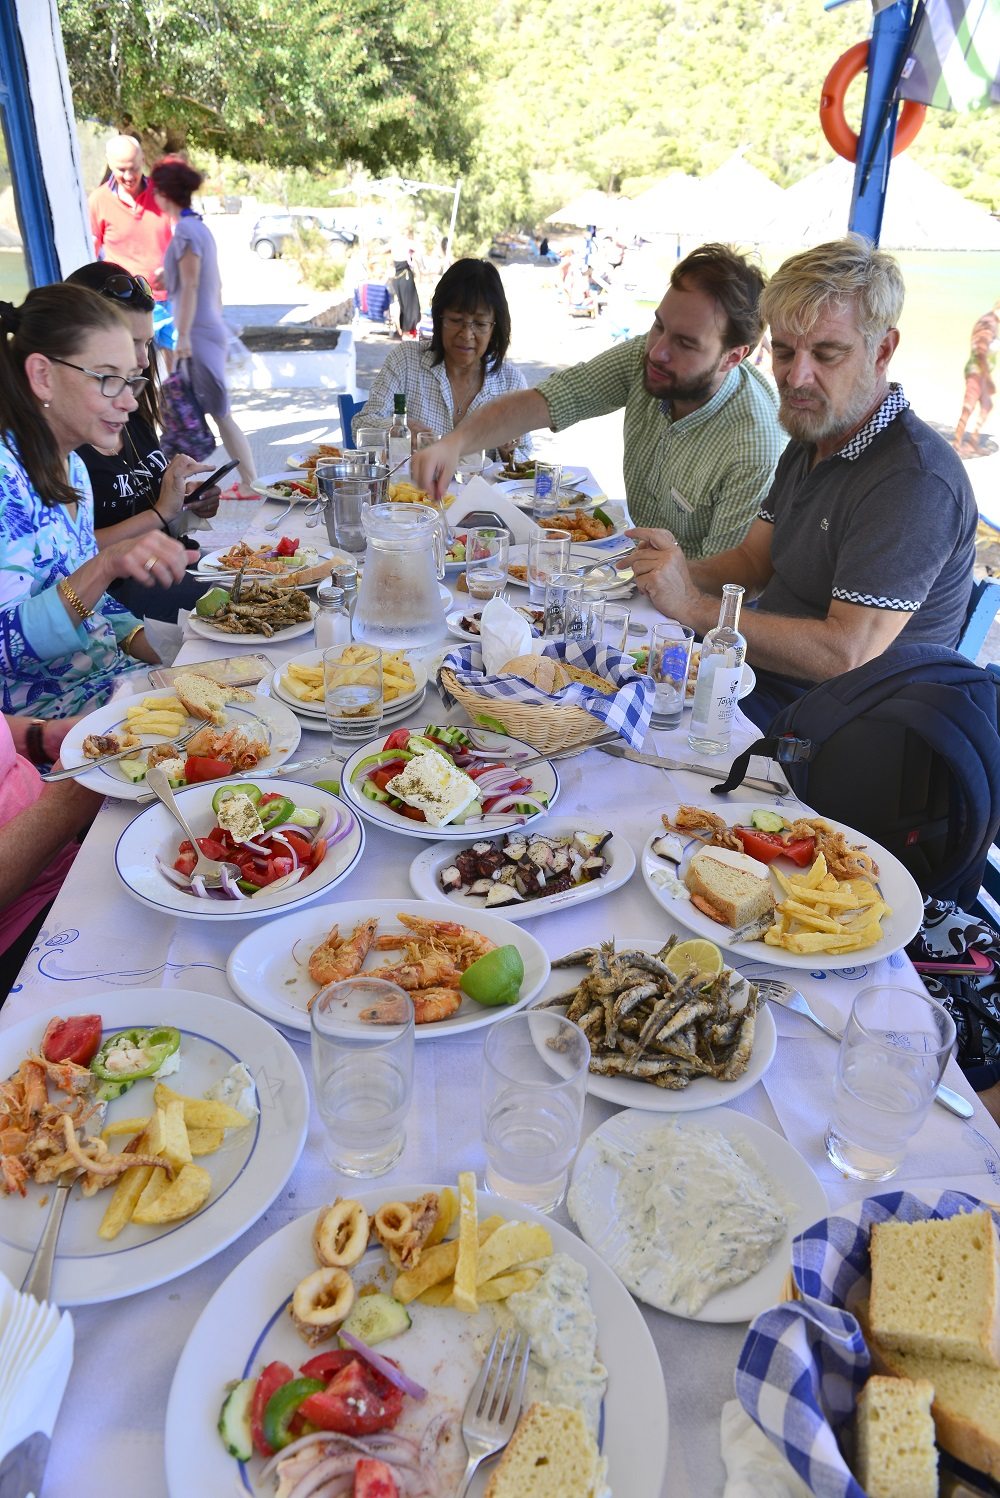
38	1280
272	525
208	869
792	998
107	759
494	1403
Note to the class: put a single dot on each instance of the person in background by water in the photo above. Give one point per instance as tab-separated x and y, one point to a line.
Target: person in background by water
68	375
462	367
980	386
135	489
129	229
191	269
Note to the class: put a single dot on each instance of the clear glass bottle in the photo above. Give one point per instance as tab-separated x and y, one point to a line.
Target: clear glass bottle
333	622
720	671
399	438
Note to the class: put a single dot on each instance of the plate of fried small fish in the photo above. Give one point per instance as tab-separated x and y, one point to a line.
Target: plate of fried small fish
258	614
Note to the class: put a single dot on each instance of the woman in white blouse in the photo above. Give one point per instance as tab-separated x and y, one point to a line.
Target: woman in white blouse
464	364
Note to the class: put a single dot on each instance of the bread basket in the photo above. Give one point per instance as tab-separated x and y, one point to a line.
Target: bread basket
543	720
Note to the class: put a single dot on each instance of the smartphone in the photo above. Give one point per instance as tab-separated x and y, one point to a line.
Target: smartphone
969	963
213	478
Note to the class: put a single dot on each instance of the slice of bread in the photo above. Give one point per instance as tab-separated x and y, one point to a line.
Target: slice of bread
966	1406
540	670
204	698
550	1455
895	1455
736	892
936	1287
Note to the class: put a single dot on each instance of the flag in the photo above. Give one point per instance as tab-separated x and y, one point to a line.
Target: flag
953	56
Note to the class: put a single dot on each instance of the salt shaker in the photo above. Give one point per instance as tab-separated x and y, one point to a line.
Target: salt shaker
333	622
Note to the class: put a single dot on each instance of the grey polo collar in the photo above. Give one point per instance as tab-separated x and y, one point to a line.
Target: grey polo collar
894	405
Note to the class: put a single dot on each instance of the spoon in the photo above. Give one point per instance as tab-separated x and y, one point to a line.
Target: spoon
208	869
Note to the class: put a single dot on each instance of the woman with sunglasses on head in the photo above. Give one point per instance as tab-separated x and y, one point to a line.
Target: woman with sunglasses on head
68	376
462	367
136	490
191	271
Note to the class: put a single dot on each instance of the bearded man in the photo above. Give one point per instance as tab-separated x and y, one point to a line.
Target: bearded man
701	432
868	532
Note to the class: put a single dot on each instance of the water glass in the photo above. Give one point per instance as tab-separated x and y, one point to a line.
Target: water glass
343	500
611	621
892	1057
352	691
469	465
534	1084
372	440
425	439
669	663
548	553
487	552
567	612
548	486
362	1062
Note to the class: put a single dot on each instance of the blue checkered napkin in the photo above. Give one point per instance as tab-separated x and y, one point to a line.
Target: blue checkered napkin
803	1364
627	712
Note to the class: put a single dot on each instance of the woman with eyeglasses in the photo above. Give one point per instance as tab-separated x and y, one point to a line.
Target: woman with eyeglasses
462	367
135	489
68	376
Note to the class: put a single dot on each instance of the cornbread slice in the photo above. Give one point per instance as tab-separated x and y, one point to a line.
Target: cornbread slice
550	1455
966	1406
207	699
936	1287
895	1455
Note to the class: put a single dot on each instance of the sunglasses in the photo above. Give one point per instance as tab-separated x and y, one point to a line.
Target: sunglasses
124	288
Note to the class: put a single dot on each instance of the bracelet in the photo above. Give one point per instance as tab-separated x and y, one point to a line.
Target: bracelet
163	523
76	603
34	742
129	638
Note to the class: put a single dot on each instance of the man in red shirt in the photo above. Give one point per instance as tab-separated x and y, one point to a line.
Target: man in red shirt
129	228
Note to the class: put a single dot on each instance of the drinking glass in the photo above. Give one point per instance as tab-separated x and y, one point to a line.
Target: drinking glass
362	1062
487	552
372	439
425	439
343	501
548	486
548	552
533	1089
669	663
892	1057
352	691
469	465
611	621
567	612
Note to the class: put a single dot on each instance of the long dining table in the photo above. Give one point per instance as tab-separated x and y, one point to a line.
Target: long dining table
109	1437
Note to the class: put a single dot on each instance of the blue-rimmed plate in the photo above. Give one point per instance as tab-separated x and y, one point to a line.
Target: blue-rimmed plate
247	1172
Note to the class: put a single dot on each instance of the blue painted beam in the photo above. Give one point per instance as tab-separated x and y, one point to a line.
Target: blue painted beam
886	53
33	209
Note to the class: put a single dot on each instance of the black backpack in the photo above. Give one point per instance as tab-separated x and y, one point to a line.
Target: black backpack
906	749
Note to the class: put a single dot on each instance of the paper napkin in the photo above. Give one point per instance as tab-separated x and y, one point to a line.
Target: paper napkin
478	495
36	1355
753	1465
504	634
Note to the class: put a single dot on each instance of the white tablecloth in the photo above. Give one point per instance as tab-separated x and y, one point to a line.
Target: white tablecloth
109	1439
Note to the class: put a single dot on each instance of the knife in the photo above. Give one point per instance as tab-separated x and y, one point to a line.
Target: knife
621	751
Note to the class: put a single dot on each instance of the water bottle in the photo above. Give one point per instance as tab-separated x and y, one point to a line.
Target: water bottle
398	439
720	672
333	622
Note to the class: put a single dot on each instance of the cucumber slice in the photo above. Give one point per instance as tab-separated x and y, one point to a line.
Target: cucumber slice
767	821
304	816
234	1420
375	793
448	734
134	770
376	1318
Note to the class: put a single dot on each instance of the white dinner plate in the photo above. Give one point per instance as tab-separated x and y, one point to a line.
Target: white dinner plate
210	571
580	559
702	1092
522	494
316	709
245	1325
269	969
300	459
570	476
897	885
209	631
281	729
154	832
265	484
544	777
427	866
391	717
603	1225
247	1172
454	623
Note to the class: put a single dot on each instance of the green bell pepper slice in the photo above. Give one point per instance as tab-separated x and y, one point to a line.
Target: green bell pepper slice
225	792
383	757
273	813
153	1048
280	1410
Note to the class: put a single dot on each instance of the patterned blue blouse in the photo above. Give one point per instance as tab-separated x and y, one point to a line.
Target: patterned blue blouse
51	667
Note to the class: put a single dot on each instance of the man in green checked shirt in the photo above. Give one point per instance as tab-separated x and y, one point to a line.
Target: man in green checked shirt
702	437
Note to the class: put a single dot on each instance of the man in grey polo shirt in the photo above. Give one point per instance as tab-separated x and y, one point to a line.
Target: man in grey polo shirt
868	532
701	424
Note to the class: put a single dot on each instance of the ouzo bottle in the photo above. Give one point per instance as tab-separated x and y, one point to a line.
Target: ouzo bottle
398	438
720	672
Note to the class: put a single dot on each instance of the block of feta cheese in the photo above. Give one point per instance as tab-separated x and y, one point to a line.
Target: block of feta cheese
435	786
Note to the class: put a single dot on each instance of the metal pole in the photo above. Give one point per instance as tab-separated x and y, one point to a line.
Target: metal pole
886	52
454	216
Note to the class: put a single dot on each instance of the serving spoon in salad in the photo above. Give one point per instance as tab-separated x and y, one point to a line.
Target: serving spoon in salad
207	869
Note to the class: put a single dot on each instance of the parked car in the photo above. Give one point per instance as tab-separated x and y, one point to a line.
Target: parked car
271	233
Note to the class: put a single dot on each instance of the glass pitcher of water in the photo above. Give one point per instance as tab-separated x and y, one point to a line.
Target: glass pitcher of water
399	601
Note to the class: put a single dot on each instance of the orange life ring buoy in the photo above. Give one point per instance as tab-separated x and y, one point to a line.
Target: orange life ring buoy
831	107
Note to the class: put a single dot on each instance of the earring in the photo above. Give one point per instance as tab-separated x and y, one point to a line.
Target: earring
46	405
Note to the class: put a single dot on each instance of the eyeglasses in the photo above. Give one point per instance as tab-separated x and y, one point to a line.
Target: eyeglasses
124	288
453	321
111	385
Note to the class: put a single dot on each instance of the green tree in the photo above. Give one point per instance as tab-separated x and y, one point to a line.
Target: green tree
292	82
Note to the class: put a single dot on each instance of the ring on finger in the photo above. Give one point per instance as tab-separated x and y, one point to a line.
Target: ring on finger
150	564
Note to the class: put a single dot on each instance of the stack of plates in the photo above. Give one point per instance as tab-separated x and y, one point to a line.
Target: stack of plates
314	713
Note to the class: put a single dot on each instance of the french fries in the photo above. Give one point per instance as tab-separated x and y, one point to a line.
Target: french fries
405	493
165	716
306	682
822	914
467	1263
179	1128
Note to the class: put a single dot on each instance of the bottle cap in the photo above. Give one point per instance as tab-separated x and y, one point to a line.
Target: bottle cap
399	403
327	594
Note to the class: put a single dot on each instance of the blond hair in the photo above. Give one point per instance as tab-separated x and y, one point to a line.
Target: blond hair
843	271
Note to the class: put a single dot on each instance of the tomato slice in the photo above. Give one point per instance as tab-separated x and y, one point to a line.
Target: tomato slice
398	739
381	778
287	546
77	1039
767	846
270	796
358	1401
198	767
325	1364
318	853
273	1377
373	1479
211	848
185	863
413	812
303	847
